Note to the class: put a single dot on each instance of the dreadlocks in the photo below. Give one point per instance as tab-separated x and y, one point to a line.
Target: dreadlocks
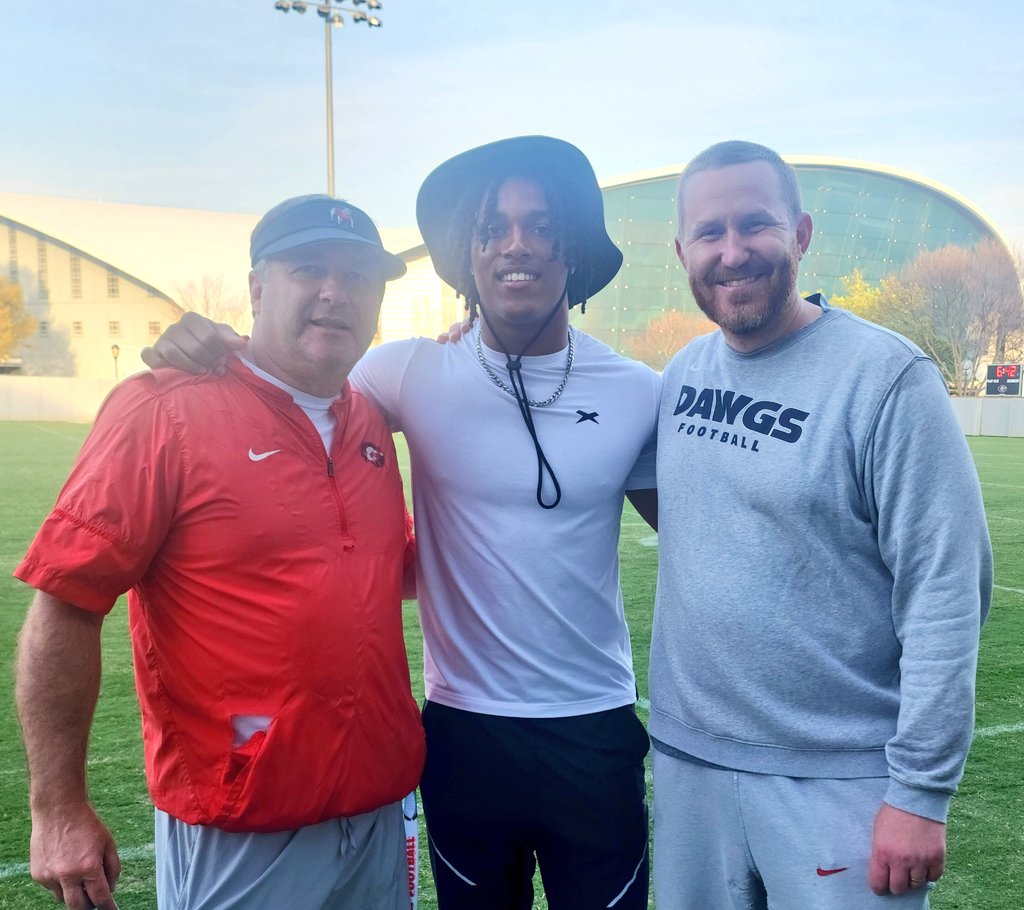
476	209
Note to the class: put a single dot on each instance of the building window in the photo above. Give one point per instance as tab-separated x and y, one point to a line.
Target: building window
42	270
76	276
114	328
113	285
12	253
44	328
76	329
154	328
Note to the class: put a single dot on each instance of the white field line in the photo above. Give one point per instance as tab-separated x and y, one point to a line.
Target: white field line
999	730
1003	518
93	763
1011	590
129	854
43	429
1009	486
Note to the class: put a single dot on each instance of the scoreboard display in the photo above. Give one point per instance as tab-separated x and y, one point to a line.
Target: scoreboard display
1003	379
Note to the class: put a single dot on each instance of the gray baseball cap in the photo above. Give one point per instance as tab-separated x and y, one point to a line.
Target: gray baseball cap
314	219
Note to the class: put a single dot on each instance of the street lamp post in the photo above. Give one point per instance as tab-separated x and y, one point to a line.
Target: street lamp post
969	369
115	350
331	11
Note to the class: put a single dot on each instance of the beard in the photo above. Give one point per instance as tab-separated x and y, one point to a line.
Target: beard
749	312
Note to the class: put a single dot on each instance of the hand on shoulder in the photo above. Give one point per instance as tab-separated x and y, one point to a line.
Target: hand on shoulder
194	344
455	332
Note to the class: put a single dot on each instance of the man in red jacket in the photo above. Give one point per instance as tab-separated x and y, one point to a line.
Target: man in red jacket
259	526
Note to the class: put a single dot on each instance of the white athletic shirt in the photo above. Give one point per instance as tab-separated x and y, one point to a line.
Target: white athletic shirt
520	606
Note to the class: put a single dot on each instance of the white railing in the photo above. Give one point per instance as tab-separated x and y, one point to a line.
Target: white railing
52	397
990	416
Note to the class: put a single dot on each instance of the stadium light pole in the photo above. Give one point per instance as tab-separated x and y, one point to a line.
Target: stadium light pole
333	13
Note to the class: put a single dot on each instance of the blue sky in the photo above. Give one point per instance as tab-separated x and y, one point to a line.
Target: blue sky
219	104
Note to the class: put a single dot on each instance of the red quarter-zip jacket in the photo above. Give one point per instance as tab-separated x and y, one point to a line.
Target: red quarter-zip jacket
264	578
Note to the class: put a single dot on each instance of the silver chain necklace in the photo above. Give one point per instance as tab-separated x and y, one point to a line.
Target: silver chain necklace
497	381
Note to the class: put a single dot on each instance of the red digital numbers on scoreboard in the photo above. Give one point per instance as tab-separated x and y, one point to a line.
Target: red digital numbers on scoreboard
1003	379
1004	371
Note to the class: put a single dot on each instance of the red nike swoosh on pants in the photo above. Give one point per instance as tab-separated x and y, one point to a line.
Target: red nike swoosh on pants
831	871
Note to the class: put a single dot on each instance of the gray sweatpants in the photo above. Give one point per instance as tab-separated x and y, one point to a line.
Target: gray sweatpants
340	864
731	840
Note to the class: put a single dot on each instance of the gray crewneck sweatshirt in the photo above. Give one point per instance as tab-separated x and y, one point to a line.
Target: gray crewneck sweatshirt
824	562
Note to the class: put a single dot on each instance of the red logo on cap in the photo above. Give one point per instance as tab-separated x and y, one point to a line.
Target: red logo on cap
342	216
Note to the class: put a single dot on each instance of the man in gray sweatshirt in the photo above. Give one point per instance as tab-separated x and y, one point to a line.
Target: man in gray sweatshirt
825	568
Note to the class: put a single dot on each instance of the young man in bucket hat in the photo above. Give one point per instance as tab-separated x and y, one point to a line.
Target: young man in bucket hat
523	443
258	521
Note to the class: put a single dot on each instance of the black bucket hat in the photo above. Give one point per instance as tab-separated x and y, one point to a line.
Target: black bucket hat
525	156
315	218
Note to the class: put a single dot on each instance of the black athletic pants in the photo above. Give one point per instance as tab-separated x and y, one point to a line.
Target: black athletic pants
503	794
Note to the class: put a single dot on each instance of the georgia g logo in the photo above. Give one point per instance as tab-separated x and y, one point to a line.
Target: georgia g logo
372	454
342	216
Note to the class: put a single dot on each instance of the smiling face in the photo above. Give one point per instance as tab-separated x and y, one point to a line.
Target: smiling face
315	311
741	246
518	270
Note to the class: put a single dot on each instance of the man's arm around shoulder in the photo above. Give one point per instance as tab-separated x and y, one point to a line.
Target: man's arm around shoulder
58	677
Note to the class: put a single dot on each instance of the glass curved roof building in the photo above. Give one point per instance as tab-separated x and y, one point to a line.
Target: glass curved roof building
866	216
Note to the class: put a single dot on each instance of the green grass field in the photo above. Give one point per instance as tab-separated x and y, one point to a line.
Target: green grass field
986	834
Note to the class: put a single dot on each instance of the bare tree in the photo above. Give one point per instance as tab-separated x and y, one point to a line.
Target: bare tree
213	298
1007	284
969	308
960	330
964	307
